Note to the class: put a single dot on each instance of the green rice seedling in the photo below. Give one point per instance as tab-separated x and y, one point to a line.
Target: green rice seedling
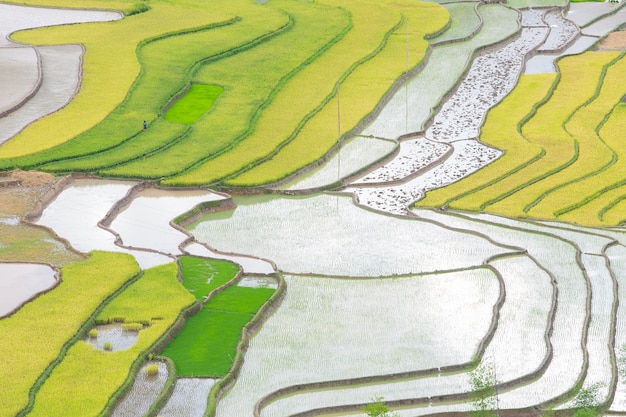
201	276
197	101
29	350
108	346
207	344
501	130
93	333
71	392
152	369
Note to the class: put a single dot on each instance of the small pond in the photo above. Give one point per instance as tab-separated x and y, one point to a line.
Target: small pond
119	338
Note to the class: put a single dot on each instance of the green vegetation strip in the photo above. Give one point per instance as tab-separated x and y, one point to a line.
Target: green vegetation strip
85	380
198	100
38	336
208	343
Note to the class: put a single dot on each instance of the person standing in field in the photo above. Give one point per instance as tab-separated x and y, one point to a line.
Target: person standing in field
145	125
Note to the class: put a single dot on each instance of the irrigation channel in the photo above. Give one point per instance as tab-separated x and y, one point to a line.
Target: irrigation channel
381	300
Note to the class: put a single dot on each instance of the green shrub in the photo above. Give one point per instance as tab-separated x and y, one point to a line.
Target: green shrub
108	346
93	333
152	369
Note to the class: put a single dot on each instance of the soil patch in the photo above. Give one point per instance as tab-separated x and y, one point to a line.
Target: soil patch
616	41
22	190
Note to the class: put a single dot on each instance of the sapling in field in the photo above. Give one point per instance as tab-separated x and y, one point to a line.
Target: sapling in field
484	393
377	408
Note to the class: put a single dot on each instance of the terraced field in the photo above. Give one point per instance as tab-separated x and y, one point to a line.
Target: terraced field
285	208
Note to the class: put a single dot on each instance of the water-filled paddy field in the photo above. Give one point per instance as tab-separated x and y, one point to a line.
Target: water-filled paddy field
330	202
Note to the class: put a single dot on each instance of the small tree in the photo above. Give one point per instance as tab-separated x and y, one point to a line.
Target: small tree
587	401
378	409
483	383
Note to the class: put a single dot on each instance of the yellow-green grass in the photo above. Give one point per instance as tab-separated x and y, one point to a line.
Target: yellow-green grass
34	336
167	65
207	344
87	377
366	84
25	243
251	80
502	131
123	5
595	156
314	89
578	83
600	192
108	72
197	101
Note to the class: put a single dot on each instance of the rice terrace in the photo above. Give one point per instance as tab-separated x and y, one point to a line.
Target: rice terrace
272	208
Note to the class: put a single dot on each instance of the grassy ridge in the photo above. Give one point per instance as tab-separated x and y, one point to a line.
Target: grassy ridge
207	344
306	109
107	75
501	130
33	337
76	390
367	82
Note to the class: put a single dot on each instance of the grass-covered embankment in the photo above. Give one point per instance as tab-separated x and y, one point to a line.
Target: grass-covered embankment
41	331
86	378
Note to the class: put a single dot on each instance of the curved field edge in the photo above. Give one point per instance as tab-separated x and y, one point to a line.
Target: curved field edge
127	142
124	123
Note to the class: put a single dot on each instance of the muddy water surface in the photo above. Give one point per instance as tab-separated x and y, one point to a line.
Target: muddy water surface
20	282
75	213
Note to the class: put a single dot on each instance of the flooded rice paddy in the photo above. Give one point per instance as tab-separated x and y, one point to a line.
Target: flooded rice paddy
439	289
